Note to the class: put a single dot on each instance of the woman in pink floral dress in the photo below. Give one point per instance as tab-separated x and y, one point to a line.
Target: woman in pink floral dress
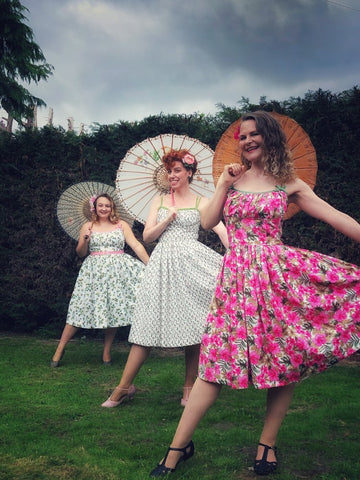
279	313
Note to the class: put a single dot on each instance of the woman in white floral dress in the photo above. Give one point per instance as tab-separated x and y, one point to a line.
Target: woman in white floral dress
175	293
105	290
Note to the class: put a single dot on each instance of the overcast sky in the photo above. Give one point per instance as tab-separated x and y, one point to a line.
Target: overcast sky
128	59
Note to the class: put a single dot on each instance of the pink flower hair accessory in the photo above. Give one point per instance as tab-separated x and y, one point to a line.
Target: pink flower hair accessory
237	133
91	202
188	160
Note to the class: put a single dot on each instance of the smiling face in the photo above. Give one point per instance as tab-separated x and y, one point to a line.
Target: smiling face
251	142
103	207
178	175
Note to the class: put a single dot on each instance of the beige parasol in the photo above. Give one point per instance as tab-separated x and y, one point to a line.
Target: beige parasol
73	208
302	151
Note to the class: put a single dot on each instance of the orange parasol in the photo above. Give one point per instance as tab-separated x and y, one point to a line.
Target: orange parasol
302	151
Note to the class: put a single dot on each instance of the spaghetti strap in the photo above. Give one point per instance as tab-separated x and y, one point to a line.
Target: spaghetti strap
197	203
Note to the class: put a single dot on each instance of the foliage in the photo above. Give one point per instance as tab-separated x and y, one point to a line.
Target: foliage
52	425
21	59
38	261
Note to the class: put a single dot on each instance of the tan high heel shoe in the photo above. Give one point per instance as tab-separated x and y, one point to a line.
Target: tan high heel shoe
129	395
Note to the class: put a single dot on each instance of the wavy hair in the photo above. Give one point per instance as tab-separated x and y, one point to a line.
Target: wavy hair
278	162
114	216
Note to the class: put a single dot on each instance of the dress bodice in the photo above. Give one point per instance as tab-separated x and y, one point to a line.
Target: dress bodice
255	217
185	226
107	241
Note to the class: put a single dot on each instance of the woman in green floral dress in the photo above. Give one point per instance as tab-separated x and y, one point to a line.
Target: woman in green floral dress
104	293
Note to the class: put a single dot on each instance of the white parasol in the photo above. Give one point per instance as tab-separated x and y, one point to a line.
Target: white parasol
73	208
141	175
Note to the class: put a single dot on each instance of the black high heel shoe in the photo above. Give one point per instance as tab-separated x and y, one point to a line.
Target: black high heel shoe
263	467
161	470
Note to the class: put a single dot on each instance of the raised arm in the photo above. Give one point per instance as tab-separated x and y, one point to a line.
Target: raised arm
136	246
220	228
302	195
221	232
153	229
212	213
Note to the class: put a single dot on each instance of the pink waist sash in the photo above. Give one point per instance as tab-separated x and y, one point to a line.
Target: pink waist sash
108	252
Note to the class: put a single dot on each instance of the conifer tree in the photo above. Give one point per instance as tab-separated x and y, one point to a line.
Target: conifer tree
21	60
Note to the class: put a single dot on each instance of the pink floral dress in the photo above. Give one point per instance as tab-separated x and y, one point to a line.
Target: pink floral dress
279	313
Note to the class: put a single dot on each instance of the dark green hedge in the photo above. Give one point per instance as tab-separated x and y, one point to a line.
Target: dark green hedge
38	261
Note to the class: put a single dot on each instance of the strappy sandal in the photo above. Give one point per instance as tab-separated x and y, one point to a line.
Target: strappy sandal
128	395
161	470
263	467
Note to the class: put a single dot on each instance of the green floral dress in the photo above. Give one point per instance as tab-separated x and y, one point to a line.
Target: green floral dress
105	290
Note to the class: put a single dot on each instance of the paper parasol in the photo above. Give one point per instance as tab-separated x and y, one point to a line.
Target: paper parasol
73	208
141	175
302	151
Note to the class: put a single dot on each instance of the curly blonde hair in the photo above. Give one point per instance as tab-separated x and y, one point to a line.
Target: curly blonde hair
114	217
278	162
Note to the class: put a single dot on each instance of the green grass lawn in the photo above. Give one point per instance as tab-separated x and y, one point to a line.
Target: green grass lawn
52	425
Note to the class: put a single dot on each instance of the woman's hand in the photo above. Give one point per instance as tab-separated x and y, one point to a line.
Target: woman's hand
84	239
232	173
153	229
172	212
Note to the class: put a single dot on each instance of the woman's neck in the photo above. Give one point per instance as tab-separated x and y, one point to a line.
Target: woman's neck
182	193
183	197
103	221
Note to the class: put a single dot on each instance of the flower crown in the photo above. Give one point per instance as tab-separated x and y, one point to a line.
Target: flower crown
188	160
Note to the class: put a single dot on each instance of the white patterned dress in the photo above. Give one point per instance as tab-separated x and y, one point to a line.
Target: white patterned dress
105	290
177	287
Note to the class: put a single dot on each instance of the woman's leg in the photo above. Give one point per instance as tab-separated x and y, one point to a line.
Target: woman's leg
108	341
278	402
191	369
67	334
191	364
137	356
202	396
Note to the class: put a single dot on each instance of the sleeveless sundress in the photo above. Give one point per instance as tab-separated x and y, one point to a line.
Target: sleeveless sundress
178	284
105	290
279	313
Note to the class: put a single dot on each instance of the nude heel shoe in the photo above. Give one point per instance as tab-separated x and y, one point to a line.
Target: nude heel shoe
130	392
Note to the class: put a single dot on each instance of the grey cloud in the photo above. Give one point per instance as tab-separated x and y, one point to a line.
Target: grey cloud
126	59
